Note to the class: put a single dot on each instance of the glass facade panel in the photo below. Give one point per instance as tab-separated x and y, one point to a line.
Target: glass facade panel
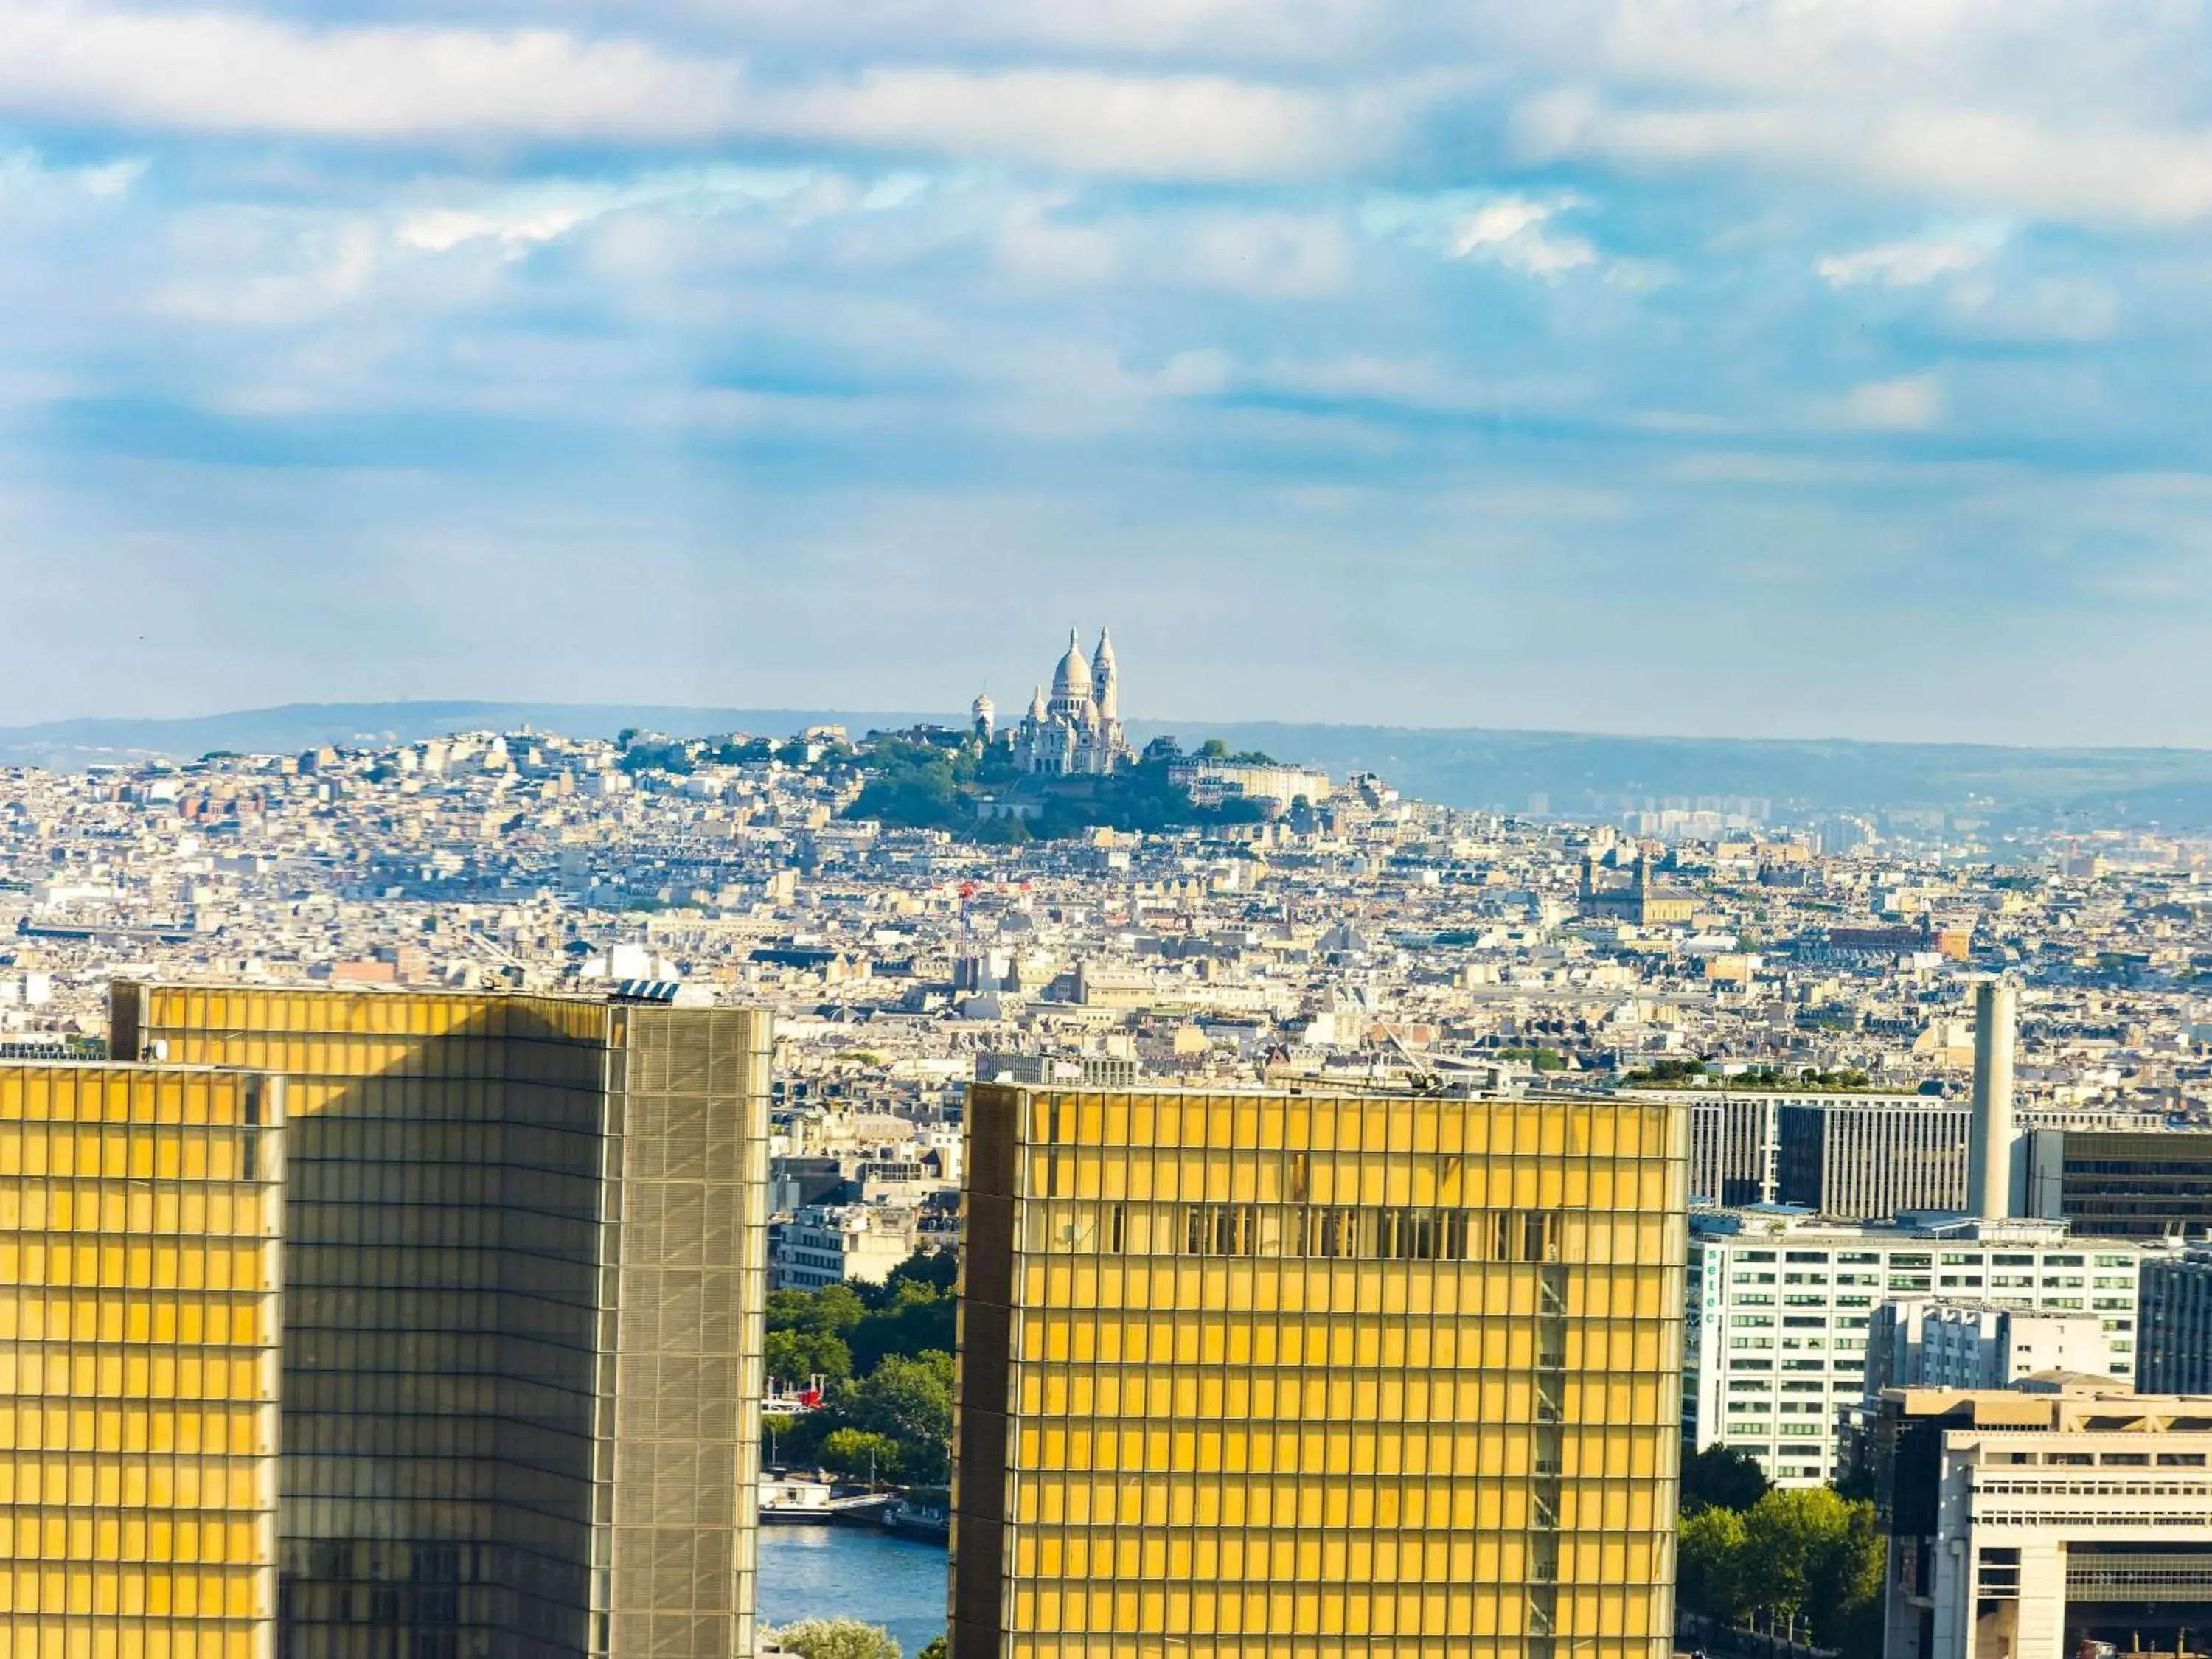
526	1239
1357	1376
140	1220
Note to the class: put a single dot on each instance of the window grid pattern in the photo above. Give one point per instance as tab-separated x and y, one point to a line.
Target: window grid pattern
1294	1375
140	1220
692	1241
502	1324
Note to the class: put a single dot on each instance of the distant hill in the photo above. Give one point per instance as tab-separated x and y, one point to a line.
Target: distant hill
1588	774
1578	773
297	726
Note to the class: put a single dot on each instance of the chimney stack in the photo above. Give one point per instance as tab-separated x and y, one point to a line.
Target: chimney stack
1989	1174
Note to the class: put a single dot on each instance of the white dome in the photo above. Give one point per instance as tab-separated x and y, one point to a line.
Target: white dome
1072	678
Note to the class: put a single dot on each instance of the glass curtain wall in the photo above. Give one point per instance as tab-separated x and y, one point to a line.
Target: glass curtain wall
1292	1375
140	1221
527	1248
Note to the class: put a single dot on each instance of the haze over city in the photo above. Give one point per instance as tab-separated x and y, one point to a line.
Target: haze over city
1616	365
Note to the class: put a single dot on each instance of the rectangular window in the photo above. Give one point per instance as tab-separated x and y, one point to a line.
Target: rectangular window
1220	1230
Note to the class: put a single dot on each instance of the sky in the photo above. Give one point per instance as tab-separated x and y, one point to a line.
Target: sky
1769	367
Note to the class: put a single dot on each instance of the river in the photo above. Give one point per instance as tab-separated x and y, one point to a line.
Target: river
853	1572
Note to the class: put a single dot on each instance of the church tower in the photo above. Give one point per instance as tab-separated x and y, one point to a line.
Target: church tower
1077	728
1105	681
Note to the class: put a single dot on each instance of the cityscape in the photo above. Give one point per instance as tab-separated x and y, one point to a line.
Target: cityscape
1177	830
1230	1209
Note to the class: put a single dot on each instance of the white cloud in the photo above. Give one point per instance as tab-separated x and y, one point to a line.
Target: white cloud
549	209
26	171
2017	163
1047	239
1421	386
443	228
1510	232
217	71
1166	126
1327	33
222	72
1907	264
1911	403
1518	231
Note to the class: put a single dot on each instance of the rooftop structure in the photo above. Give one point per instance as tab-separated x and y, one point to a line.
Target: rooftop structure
2039	1523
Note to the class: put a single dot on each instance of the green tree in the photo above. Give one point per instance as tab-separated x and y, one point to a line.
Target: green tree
836	1638
1724	1475
937	1648
939	1269
917	1320
1709	1561
833	1310
859	1455
793	1356
1813	1555
909	1400
838	1308
1843	1597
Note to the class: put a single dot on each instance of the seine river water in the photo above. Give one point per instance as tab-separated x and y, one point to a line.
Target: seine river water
853	1572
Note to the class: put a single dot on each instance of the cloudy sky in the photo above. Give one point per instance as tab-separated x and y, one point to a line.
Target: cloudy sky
1764	367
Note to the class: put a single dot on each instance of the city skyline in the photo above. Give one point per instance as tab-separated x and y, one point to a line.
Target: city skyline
1488	369
1274	1043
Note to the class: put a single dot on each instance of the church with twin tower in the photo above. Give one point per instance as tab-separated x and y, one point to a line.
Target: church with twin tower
1076	731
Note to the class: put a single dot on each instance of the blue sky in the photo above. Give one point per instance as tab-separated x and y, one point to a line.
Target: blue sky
1731	367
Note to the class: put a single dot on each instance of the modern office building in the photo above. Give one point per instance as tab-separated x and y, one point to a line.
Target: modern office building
2176	1317
1848	1157
1933	1342
1733	1148
1780	1308
525	1250
1318	1374
1867	1160
140	1224
2033	1525
2123	1183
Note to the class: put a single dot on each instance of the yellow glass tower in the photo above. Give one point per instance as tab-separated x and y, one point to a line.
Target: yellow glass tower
1313	1375
140	1215
525	1266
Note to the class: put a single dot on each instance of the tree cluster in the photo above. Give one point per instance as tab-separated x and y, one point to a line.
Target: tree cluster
838	1638
647	751
1691	1073
885	1355
1805	1564
1215	748
914	784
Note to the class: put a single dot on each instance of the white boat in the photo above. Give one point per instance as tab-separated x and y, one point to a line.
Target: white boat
801	1500
787	1500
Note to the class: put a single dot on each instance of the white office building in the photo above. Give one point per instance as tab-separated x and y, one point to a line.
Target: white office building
1781	1307
839	1244
1953	1343
2043	1523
